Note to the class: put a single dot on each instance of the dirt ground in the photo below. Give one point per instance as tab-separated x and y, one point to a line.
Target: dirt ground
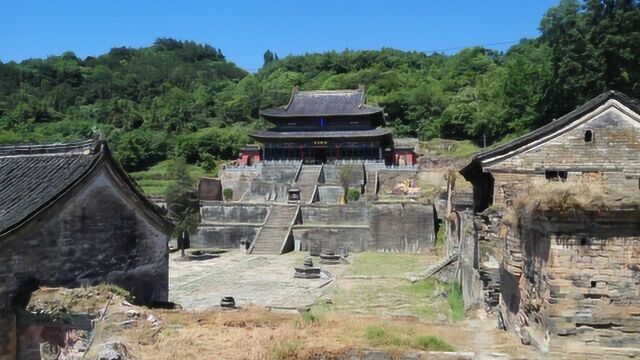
367	303
369	292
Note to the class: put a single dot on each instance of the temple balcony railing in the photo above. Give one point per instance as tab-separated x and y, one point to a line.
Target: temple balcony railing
280	162
242	167
376	162
406	167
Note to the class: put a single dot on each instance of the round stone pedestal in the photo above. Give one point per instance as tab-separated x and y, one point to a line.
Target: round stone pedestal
329	258
307	271
228	302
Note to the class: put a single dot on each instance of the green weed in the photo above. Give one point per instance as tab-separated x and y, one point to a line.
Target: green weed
431	343
456	303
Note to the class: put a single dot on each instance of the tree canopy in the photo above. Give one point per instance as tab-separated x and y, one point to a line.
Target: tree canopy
183	99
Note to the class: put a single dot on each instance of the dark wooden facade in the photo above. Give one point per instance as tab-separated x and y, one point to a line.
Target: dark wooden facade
324	126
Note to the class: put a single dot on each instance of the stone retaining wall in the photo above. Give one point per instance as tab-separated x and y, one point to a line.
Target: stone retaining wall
221	212
356	227
354	214
402	227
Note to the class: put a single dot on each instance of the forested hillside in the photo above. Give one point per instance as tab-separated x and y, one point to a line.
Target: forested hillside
181	99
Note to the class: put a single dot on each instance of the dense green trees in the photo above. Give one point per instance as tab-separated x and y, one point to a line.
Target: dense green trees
179	98
594	46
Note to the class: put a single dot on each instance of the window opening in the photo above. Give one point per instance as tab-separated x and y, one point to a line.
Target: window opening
588	136
555	175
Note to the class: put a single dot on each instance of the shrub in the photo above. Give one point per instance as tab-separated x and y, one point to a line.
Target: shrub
227	194
207	162
353	194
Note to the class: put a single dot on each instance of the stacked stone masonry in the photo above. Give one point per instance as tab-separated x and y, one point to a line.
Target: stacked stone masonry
395	227
569	284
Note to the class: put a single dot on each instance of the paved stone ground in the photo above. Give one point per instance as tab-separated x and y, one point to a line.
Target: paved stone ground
265	280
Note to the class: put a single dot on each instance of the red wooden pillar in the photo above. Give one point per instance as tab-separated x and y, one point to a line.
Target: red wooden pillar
301	147
337	152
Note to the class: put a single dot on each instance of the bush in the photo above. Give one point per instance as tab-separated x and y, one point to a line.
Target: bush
227	194
353	194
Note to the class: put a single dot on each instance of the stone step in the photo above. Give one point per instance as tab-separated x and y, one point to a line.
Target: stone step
307	181
275	230
370	188
435	267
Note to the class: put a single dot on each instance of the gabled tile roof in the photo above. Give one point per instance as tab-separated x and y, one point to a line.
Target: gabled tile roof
344	134
548	129
324	103
32	177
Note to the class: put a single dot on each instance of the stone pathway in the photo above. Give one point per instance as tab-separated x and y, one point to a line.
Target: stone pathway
265	280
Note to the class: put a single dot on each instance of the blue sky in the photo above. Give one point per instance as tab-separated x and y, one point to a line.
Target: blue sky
245	29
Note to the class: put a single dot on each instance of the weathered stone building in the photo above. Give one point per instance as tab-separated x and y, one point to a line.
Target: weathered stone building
599	141
564	229
570	282
69	215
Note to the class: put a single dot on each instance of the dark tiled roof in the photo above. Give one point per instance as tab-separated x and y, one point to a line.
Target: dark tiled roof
324	103
549	128
33	176
266	134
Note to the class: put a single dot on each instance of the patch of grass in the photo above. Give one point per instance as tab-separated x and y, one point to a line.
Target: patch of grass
155	179
424	312
391	337
456	303
370	263
424	288
378	336
431	343
450	148
285	349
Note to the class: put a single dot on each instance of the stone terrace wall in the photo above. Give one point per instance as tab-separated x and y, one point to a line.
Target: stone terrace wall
395	227
228	225
239	180
331	174
212	212
330	195
342	240
403	227
577	283
272	184
350	214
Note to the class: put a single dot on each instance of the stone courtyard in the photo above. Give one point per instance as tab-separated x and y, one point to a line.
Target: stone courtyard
265	280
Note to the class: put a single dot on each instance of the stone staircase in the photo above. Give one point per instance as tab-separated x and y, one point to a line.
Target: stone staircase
435	267
307	181
275	231
370	188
